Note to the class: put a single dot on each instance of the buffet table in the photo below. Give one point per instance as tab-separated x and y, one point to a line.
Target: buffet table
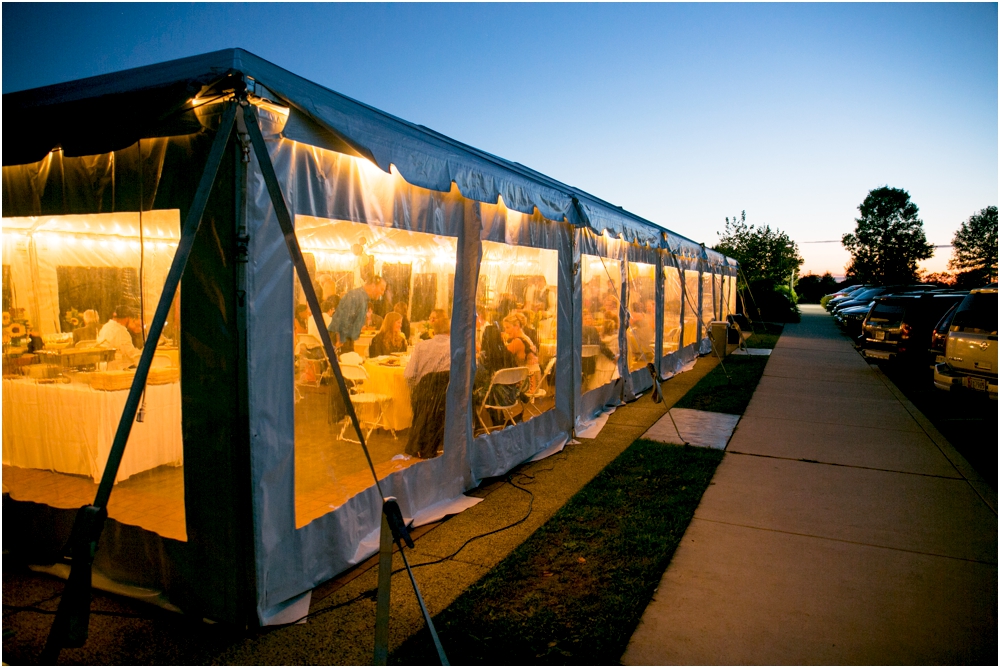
70	427
386	377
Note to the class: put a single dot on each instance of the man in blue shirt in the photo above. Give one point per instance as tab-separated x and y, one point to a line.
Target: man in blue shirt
349	318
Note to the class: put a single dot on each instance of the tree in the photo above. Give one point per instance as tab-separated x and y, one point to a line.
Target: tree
769	262
764	254
974	247
811	288
888	240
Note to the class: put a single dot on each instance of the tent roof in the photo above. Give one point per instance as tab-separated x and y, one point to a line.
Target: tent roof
105	113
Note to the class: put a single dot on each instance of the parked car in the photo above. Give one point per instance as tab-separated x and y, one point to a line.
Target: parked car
866	297
899	326
939	335
859	298
971	345
846	294
842	293
850	319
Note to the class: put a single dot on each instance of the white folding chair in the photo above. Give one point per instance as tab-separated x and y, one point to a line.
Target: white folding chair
540	392
369	406
307	342
352	358
513	378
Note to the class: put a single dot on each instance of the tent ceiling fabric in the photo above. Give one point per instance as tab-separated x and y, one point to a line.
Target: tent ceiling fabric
101	114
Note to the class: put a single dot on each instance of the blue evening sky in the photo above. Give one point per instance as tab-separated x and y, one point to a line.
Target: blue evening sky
681	113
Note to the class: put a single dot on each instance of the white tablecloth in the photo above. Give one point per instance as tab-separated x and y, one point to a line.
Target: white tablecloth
70	428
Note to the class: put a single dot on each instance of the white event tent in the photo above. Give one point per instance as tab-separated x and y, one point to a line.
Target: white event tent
242	488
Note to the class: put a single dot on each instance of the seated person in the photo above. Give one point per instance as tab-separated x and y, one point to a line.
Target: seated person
590	336
116	334
526	327
390	337
433	354
91	327
300	323
523	349
493	356
400	308
328	306
372	320
427	374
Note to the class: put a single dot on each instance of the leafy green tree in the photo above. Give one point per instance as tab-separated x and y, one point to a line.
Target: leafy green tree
888	240
974	246
811	288
765	255
769	263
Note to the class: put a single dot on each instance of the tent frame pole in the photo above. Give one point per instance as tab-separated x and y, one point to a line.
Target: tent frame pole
391	516
247	122
71	625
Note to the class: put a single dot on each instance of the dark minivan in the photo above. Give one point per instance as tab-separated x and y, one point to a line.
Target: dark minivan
901	325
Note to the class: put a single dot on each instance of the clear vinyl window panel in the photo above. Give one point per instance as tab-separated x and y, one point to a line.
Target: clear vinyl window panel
707	301
602	284
673	296
732	294
691	306
386	296
516	311
79	294
641	334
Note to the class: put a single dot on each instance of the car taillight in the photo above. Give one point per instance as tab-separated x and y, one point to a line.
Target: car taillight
905	330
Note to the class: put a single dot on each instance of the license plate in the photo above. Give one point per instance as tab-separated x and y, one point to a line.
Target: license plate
879	335
877	354
974	383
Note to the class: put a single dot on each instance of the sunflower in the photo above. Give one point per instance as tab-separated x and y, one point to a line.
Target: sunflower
74	322
16	330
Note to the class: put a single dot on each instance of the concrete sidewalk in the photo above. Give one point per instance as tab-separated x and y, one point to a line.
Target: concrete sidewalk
841	528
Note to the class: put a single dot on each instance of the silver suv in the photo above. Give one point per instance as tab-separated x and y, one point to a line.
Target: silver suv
971	345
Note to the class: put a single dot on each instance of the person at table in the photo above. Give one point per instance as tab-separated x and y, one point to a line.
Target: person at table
433	354
427	374
523	349
301	323
91	327
526	327
400	308
592	337
390	337
373	320
642	331
352	312
328	306
116	333
493	356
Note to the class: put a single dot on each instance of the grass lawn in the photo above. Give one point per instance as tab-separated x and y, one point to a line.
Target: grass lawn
573	593
721	393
